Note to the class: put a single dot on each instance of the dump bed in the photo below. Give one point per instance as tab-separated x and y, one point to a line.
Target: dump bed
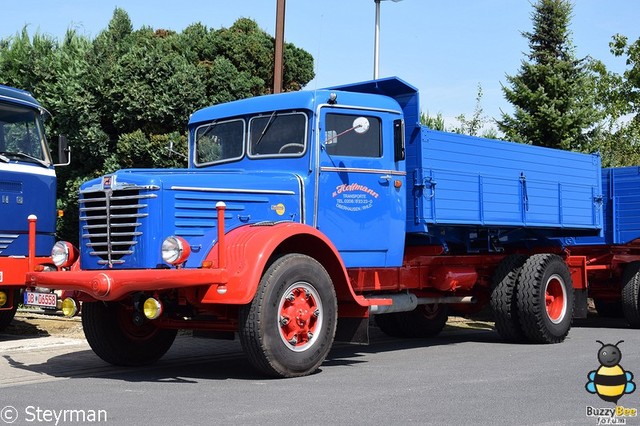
621	207
462	180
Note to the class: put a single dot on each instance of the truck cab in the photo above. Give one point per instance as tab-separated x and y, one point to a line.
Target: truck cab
27	193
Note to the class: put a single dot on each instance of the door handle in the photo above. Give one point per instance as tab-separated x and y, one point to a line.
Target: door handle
384	179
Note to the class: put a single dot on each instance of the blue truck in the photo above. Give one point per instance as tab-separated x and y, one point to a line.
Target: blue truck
27	199
302	215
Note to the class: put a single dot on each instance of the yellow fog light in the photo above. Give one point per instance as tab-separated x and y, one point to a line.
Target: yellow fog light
3	298
152	308
69	307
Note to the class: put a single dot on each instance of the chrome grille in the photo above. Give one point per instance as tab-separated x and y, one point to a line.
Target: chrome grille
6	240
110	222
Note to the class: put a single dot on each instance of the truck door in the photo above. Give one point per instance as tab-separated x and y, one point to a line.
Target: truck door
361	187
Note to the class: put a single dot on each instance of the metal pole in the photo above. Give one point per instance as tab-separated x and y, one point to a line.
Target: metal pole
376	44
278	61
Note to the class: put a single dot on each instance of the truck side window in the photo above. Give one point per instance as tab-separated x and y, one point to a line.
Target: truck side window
219	141
278	134
342	140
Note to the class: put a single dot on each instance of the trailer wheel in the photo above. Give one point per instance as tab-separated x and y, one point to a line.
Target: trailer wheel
114	337
503	297
6	316
631	294
424	321
545	298
288	328
608	309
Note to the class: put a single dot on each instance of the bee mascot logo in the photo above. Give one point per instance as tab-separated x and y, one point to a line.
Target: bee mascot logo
610	381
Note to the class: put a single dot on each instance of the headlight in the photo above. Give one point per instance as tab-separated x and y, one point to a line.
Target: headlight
63	254
152	308
175	250
69	307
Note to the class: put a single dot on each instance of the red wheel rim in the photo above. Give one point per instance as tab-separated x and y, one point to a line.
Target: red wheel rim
555	299
300	316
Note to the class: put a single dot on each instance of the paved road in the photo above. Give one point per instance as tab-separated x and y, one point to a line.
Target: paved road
463	377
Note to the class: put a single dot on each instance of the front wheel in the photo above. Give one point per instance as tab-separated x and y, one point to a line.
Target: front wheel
288	328
111	333
545	298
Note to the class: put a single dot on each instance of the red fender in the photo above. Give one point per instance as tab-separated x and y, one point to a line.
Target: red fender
249	248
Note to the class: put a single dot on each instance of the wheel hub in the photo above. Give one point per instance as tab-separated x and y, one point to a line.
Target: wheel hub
555	299
300	316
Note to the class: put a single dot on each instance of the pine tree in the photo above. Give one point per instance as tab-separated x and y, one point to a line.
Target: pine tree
553	93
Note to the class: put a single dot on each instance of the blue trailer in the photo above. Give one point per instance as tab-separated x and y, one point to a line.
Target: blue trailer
28	194
612	258
302	214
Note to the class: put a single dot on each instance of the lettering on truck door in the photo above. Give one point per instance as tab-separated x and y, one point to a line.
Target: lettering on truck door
360	207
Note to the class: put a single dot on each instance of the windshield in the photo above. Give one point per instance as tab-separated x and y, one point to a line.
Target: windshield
22	134
219	141
281	134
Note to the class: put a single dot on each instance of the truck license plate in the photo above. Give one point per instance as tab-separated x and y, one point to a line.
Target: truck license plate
49	300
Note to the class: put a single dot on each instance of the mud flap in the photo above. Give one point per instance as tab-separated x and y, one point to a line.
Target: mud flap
579	303
354	330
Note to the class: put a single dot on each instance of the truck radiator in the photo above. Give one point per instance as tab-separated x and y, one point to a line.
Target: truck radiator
110	222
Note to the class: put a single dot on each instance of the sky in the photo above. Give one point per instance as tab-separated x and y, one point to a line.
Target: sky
444	48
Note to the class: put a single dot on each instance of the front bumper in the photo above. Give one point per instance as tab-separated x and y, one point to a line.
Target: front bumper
108	285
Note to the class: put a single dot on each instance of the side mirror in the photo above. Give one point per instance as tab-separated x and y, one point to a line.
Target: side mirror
64	152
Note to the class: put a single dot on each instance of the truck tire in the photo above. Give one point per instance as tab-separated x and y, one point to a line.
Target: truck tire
424	321
607	308
503	298
6	316
289	327
111	333
545	298
631	294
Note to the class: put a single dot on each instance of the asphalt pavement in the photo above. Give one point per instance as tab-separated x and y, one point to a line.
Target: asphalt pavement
464	376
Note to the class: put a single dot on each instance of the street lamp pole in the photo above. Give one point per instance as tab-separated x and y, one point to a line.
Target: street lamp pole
279	47
376	44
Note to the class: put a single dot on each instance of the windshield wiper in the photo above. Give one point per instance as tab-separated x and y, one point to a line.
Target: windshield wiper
4	159
207	129
266	127
22	155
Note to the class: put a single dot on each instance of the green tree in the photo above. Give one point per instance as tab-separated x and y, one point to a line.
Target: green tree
554	93
435	123
122	97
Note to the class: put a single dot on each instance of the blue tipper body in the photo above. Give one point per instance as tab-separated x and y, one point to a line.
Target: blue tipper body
449	189
621	204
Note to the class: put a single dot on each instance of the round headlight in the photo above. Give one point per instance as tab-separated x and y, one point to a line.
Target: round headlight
63	254
175	250
69	307
152	308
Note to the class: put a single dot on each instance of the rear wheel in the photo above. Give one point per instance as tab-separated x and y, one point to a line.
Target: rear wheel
288	328
111	333
631	294
424	321
545	298
503	297
6	316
